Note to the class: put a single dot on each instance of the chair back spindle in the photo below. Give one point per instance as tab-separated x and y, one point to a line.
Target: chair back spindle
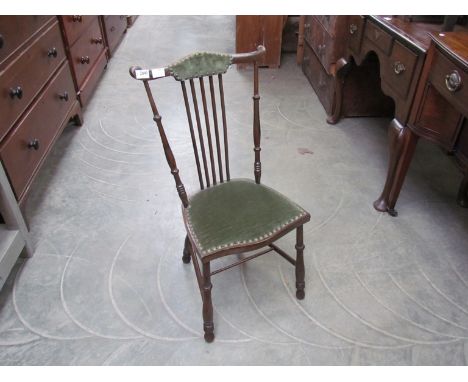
200	65
256	127
223	112
208	130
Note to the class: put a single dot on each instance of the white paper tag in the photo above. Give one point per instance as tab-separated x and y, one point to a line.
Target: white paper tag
158	72
142	74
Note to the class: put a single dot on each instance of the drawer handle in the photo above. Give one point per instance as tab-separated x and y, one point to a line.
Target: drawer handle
33	144
112	29
78	19
52	52
352	28
16	92
321	48
97	40
84	59
2	40
64	96
453	81
399	67
306	26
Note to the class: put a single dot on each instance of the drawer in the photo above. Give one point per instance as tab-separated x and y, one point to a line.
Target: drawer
16	30
355	33
436	119
398	70
318	78
329	23
42	123
24	78
115	26
86	51
381	39
442	69
74	26
92	80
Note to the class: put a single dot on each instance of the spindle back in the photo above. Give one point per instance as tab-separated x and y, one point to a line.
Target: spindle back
199	66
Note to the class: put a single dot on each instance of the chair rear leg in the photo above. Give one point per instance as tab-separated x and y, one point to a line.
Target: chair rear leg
300	284
187	251
208	325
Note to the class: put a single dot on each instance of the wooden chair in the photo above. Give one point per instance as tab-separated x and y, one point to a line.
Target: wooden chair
227	216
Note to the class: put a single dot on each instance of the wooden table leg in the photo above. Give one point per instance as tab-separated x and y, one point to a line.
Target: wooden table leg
342	69
462	198
402	143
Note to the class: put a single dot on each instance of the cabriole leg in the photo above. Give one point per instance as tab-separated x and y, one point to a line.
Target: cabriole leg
208	325
300	284
402	143
187	251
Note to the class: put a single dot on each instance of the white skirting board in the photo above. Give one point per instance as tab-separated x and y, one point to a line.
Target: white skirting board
14	235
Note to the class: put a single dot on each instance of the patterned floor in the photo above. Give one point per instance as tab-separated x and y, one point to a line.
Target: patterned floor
107	285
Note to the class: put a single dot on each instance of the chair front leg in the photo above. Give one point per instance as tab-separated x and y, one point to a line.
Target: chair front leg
208	325
300	284
187	251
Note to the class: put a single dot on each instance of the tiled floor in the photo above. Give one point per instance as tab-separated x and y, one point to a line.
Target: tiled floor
107	285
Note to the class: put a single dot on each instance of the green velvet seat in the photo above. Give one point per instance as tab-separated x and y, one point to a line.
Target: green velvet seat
236	213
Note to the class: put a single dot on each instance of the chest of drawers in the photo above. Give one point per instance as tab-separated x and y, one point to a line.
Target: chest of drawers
37	96
324	43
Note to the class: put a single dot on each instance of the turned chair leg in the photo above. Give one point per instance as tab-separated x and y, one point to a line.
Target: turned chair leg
300	284
208	325
187	251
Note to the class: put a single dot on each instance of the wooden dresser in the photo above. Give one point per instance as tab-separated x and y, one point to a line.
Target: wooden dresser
400	49
439	112
86	50
37	97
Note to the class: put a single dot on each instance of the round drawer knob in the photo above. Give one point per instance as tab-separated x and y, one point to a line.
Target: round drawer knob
52	52
398	67
64	96
77	19
2	40
84	59
352	28
16	92
97	40
33	144
453	81
112	29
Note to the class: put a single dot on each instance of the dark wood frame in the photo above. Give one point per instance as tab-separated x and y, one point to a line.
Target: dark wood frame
202	264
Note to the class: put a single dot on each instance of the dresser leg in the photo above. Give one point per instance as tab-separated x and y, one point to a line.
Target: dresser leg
402	143
78	117
462	198
342	69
